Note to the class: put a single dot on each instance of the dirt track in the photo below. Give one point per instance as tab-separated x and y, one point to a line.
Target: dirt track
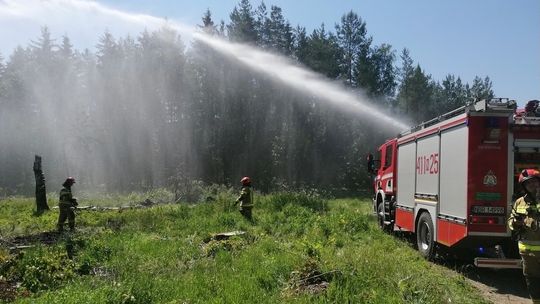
500	286
503	286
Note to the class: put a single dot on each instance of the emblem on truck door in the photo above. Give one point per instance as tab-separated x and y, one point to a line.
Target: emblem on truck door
490	179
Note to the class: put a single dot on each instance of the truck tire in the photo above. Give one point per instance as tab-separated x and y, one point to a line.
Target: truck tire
424	236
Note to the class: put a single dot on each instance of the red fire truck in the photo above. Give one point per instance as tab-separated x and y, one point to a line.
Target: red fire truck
452	180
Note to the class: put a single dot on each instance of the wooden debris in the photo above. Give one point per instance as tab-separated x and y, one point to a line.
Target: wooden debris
29	241
17	248
145	204
226	235
309	279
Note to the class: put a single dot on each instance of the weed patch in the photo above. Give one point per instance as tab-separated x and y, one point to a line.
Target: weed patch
309	279
231	244
136	293
39	269
309	200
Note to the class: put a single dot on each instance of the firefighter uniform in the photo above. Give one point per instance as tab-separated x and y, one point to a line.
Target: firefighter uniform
246	202
524	222
66	205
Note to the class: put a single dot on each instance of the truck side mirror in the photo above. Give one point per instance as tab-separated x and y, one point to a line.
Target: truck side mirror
370	163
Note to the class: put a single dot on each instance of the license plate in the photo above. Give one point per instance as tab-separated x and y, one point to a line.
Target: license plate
487	210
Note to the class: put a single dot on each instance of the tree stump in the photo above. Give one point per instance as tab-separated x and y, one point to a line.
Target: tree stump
41	193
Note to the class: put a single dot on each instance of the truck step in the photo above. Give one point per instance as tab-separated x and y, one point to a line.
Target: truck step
497	263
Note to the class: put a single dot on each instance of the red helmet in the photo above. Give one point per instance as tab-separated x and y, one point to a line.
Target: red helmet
69	181
245	180
527	174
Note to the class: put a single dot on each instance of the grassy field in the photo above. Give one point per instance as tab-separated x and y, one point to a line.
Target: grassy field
300	249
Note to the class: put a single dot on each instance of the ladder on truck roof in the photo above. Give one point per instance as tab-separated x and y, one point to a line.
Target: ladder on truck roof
495	105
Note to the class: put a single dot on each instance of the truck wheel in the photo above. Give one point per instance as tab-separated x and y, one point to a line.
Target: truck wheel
380	219
424	236
380	215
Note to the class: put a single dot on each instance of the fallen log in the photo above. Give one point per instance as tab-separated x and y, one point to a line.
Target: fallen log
17	248
146	204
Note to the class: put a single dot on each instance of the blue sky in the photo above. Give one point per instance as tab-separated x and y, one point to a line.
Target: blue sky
500	39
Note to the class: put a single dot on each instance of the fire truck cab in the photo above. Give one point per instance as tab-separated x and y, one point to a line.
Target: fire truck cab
452	180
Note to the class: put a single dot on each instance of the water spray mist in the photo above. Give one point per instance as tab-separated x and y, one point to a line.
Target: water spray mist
279	67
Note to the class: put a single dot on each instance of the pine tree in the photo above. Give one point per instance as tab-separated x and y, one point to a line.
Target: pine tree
262	26
208	24
481	88
108	51
43	48
301	46
323	53
242	25
66	49
2	79
415	95
279	32
375	72
407	65
383	59
453	94
351	37
2	65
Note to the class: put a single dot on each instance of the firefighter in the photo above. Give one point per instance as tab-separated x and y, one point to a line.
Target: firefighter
67	205
525	223
532	108
245	199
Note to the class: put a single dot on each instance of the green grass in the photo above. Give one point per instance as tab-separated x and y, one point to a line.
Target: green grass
161	255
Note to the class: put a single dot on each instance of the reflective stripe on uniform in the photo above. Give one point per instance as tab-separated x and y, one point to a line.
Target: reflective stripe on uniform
529	245
250	199
529	242
521	209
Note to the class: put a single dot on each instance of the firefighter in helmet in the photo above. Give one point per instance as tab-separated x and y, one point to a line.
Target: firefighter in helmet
246	198
532	108
525	223
67	205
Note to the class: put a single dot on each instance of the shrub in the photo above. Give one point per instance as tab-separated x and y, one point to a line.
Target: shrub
139	292
231	245
95	254
40	269
309	200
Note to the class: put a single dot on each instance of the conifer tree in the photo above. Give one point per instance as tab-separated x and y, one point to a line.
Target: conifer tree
351	36
242	25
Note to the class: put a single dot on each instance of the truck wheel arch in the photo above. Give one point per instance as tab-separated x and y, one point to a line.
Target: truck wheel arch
420	212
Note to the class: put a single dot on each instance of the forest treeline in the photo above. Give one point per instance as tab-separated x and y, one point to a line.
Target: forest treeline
156	110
